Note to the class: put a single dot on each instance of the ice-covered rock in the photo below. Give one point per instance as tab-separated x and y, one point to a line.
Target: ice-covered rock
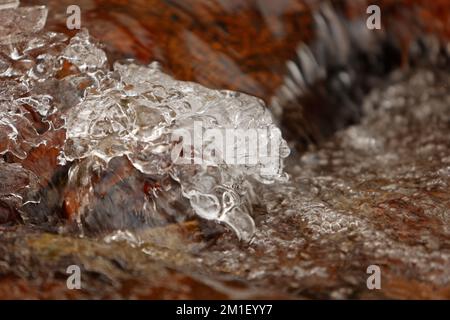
155	121
215	145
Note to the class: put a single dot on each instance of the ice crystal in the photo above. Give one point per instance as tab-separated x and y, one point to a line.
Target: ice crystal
134	111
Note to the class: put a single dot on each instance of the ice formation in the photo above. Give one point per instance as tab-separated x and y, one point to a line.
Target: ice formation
128	110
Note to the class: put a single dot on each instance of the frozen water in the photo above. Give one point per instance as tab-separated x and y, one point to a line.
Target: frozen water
136	111
52	88
82	53
17	22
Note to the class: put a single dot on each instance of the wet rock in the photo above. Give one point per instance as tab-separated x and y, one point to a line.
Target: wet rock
33	265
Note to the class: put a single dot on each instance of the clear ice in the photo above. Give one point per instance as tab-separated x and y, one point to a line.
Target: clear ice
126	110
17	22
